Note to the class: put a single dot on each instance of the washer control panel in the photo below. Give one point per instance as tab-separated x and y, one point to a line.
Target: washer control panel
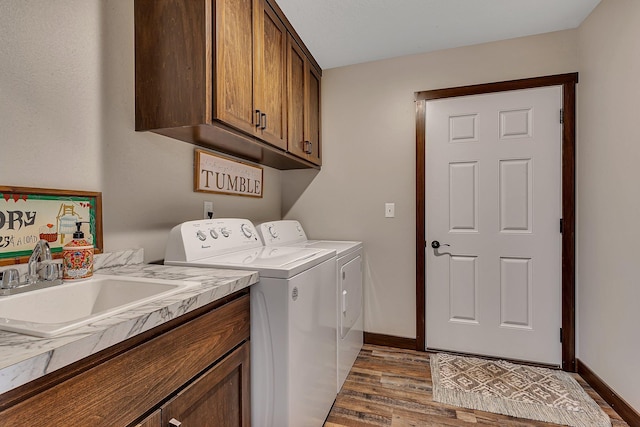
195	240
283	232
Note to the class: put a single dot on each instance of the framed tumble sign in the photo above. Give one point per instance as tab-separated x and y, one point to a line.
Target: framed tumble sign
216	174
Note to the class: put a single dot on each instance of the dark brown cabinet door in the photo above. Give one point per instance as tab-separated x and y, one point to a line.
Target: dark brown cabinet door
313	119
220	397
296	88
303	83
234	63
249	70
270	93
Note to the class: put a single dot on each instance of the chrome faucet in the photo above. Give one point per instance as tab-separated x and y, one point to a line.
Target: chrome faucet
42	253
42	272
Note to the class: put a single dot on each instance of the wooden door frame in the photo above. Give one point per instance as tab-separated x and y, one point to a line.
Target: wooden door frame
568	83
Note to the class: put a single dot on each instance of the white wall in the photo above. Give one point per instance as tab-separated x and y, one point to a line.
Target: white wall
67	120
608	200
368	131
49	94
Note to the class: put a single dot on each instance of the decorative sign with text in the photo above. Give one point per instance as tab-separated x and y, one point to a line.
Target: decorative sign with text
215	174
28	215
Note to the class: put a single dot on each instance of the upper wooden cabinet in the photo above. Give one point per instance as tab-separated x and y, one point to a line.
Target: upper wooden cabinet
250	69
303	86
216	73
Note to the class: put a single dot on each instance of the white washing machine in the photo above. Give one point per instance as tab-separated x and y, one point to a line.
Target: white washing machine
293	324
350	319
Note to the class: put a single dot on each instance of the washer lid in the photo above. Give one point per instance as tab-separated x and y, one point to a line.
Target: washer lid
276	262
342	247
274	256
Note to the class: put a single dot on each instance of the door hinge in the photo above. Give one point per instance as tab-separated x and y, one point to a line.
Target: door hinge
560	334
561	225
561	116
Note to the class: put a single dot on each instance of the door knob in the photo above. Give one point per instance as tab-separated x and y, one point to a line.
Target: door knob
435	244
174	423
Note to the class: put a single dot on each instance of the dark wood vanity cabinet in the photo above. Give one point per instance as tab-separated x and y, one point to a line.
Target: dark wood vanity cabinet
215	73
193	370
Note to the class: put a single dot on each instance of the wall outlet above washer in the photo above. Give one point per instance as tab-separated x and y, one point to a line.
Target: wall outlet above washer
208	210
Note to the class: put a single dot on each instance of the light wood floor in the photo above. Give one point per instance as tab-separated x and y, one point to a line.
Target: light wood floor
392	387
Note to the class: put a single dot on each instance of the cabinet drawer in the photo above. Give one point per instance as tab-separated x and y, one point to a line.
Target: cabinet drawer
120	390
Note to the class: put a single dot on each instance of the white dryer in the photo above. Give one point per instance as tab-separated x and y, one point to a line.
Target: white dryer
293	324
349	265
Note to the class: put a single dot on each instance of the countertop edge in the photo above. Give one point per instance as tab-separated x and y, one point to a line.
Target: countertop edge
24	358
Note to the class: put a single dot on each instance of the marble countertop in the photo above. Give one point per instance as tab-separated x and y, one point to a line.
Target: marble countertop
24	358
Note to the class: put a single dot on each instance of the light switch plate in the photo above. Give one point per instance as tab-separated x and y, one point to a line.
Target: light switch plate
389	210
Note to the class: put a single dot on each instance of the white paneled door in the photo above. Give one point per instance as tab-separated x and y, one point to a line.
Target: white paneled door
493	206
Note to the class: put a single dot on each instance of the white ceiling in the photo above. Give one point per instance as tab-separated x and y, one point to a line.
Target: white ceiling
345	32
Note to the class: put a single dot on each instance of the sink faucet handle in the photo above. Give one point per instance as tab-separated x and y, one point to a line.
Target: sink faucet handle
49	270
9	278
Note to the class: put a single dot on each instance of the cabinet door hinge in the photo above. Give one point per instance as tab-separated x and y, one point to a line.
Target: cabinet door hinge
561	116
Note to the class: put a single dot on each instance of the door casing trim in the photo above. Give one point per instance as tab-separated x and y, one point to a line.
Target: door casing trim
568	82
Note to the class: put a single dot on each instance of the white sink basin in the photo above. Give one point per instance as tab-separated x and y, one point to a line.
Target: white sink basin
51	311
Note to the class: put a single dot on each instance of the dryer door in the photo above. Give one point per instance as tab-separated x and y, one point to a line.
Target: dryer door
350	277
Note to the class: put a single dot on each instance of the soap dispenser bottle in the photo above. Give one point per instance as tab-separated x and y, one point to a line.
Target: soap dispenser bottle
77	257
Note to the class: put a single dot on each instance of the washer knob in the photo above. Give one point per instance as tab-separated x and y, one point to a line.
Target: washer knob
246	230
272	231
213	233
201	235
224	232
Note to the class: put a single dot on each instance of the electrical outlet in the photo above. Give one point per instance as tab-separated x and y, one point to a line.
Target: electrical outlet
389	210
208	210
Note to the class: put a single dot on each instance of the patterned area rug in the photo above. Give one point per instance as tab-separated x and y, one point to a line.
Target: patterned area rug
521	391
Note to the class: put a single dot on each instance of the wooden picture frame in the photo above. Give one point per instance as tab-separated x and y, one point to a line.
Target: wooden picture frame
29	214
221	175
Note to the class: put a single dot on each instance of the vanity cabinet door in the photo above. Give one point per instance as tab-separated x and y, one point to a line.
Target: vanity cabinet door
153	420
220	397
